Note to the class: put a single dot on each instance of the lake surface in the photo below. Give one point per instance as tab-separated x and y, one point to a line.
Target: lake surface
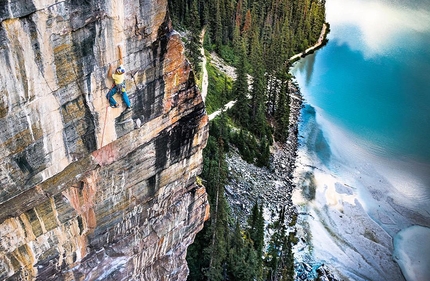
364	158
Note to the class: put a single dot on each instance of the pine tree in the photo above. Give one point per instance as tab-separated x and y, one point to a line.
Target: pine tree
217	27
240	88
279	261
217	247
242	259
207	258
194	44
258	92
282	108
264	149
256	234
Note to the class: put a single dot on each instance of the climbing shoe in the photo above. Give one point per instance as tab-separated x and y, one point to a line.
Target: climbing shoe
114	106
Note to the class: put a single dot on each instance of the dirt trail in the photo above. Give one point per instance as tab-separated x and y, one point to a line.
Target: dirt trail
205	79
228	70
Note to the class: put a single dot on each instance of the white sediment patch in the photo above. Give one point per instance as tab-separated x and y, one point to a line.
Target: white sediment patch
375	175
332	197
411	251
355	212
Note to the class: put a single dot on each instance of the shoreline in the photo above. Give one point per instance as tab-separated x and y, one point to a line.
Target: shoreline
322	41
305	265
296	105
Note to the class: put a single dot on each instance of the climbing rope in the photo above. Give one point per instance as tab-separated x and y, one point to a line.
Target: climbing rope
104	126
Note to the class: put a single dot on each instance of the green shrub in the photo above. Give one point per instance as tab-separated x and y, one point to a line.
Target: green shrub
219	89
227	53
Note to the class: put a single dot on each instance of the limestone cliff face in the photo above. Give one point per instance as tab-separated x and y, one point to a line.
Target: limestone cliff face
89	192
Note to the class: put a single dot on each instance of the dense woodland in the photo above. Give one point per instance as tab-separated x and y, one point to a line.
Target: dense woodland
258	37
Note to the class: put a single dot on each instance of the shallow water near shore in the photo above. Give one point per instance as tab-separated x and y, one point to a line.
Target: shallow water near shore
365	135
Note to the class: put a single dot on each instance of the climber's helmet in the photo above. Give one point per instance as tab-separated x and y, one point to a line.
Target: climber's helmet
120	70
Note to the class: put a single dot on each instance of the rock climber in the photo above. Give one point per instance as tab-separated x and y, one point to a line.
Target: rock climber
118	77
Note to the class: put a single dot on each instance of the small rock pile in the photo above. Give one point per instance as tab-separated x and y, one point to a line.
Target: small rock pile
307	272
249	184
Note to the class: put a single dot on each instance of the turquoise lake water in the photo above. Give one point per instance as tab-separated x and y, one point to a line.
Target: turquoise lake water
382	97
367	115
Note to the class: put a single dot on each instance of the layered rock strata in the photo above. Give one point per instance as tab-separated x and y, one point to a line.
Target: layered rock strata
90	192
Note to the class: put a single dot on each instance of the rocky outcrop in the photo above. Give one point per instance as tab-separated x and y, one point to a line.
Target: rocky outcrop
90	192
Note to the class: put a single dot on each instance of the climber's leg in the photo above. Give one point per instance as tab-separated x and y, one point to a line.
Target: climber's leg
109	96
125	96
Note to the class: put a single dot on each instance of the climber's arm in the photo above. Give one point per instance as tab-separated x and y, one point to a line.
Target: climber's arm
120	54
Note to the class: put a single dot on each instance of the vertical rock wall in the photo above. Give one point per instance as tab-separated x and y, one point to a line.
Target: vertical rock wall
89	192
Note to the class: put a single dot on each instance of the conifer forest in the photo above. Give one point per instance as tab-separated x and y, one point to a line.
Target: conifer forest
257	37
